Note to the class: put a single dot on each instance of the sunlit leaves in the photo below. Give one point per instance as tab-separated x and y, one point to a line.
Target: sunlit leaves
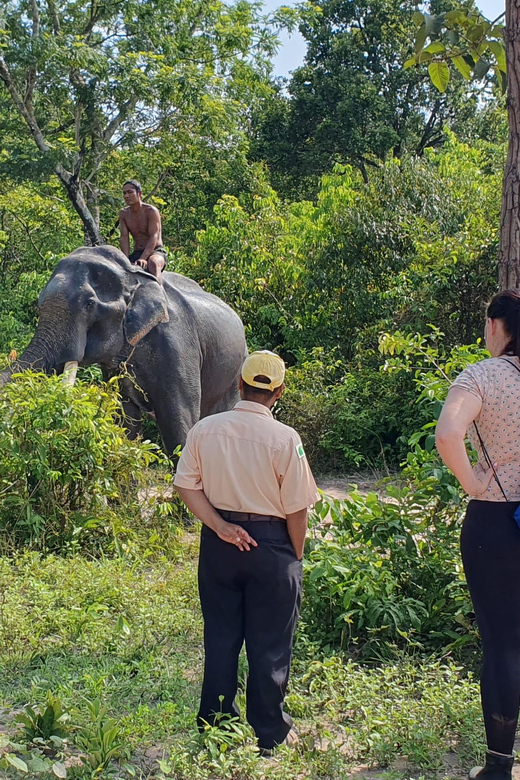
462	39
109	75
439	74
462	66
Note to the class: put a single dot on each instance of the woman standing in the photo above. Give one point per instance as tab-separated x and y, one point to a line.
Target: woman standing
484	401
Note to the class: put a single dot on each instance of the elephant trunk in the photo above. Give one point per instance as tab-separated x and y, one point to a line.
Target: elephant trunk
44	354
37	356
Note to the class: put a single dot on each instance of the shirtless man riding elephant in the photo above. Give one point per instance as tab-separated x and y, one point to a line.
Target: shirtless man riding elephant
143	222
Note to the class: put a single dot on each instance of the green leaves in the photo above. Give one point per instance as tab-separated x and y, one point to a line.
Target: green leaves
44	722
498	50
63	459
439	74
114	75
460	38
462	66
382	574
101	738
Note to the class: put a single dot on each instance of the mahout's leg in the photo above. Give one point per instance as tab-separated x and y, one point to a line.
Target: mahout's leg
155	265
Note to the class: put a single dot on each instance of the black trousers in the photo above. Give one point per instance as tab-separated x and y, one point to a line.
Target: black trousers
253	597
490	546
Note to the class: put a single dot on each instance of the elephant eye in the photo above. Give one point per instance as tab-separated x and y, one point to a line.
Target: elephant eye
90	303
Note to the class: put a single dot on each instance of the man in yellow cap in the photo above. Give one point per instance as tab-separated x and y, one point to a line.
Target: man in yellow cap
246	477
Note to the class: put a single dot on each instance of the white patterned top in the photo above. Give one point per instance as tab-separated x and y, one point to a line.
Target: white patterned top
496	382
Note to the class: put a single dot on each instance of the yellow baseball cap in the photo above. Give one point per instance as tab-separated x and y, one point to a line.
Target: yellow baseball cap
263	363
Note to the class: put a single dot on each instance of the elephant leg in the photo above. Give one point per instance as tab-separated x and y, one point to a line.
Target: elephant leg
132	418
174	423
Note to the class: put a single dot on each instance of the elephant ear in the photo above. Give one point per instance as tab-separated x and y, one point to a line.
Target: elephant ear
146	309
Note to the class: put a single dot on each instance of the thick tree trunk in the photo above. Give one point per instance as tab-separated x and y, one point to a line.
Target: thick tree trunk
509	253
92	235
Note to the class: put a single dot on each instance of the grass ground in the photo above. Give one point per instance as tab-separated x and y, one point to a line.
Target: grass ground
117	646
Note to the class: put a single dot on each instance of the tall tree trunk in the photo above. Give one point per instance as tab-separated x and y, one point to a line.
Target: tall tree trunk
69	180
509	253
93	236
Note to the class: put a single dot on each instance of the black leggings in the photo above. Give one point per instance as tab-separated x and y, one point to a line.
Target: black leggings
490	545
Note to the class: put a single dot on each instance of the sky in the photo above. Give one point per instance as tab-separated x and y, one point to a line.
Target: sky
292	47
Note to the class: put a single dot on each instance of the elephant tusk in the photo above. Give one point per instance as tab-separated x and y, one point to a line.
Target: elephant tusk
69	372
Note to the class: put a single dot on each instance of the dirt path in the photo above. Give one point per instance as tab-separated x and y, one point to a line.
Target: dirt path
339	486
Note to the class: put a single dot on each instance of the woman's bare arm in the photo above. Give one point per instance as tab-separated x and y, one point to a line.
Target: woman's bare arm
459	411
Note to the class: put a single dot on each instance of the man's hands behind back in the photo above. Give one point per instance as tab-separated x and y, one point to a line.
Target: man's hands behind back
235	534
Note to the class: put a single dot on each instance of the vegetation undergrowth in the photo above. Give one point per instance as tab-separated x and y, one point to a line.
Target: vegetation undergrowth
70	479
116	652
101	656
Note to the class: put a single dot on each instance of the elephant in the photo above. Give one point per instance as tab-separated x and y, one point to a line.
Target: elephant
183	348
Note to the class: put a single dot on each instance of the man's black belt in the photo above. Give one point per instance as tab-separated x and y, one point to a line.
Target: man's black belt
248	517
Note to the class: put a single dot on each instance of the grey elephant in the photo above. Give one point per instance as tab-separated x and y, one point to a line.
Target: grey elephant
183	347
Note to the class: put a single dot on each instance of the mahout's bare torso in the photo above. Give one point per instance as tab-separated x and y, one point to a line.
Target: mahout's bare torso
139	224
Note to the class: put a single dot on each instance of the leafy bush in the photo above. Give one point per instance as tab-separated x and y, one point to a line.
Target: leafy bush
385	572
69	476
44	722
351	415
305	404
417	710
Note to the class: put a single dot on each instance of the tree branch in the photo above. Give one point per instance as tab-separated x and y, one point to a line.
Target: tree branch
69	181
94	17
31	72
35	11
117	121
24	110
73	188
55	20
427	132
29	235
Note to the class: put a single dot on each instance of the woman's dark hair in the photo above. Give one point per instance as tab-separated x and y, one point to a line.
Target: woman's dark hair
134	183
505	306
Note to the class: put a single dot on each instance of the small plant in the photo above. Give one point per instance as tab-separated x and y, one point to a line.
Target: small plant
224	749
100	739
44	722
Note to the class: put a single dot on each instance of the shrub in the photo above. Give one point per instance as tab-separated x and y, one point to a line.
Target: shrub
69	476
385	573
350	415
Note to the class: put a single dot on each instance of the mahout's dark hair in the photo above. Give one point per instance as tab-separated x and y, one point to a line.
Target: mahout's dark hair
505	306
134	183
258	392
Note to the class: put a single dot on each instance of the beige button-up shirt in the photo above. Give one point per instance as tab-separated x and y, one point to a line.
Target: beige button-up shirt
246	461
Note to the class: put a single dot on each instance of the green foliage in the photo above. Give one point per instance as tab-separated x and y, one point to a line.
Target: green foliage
44	722
306	403
414	246
21	761
462	41
399	709
423	714
69	477
384	574
367	425
347	414
101	738
426	358
352	102
93	80
222	750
